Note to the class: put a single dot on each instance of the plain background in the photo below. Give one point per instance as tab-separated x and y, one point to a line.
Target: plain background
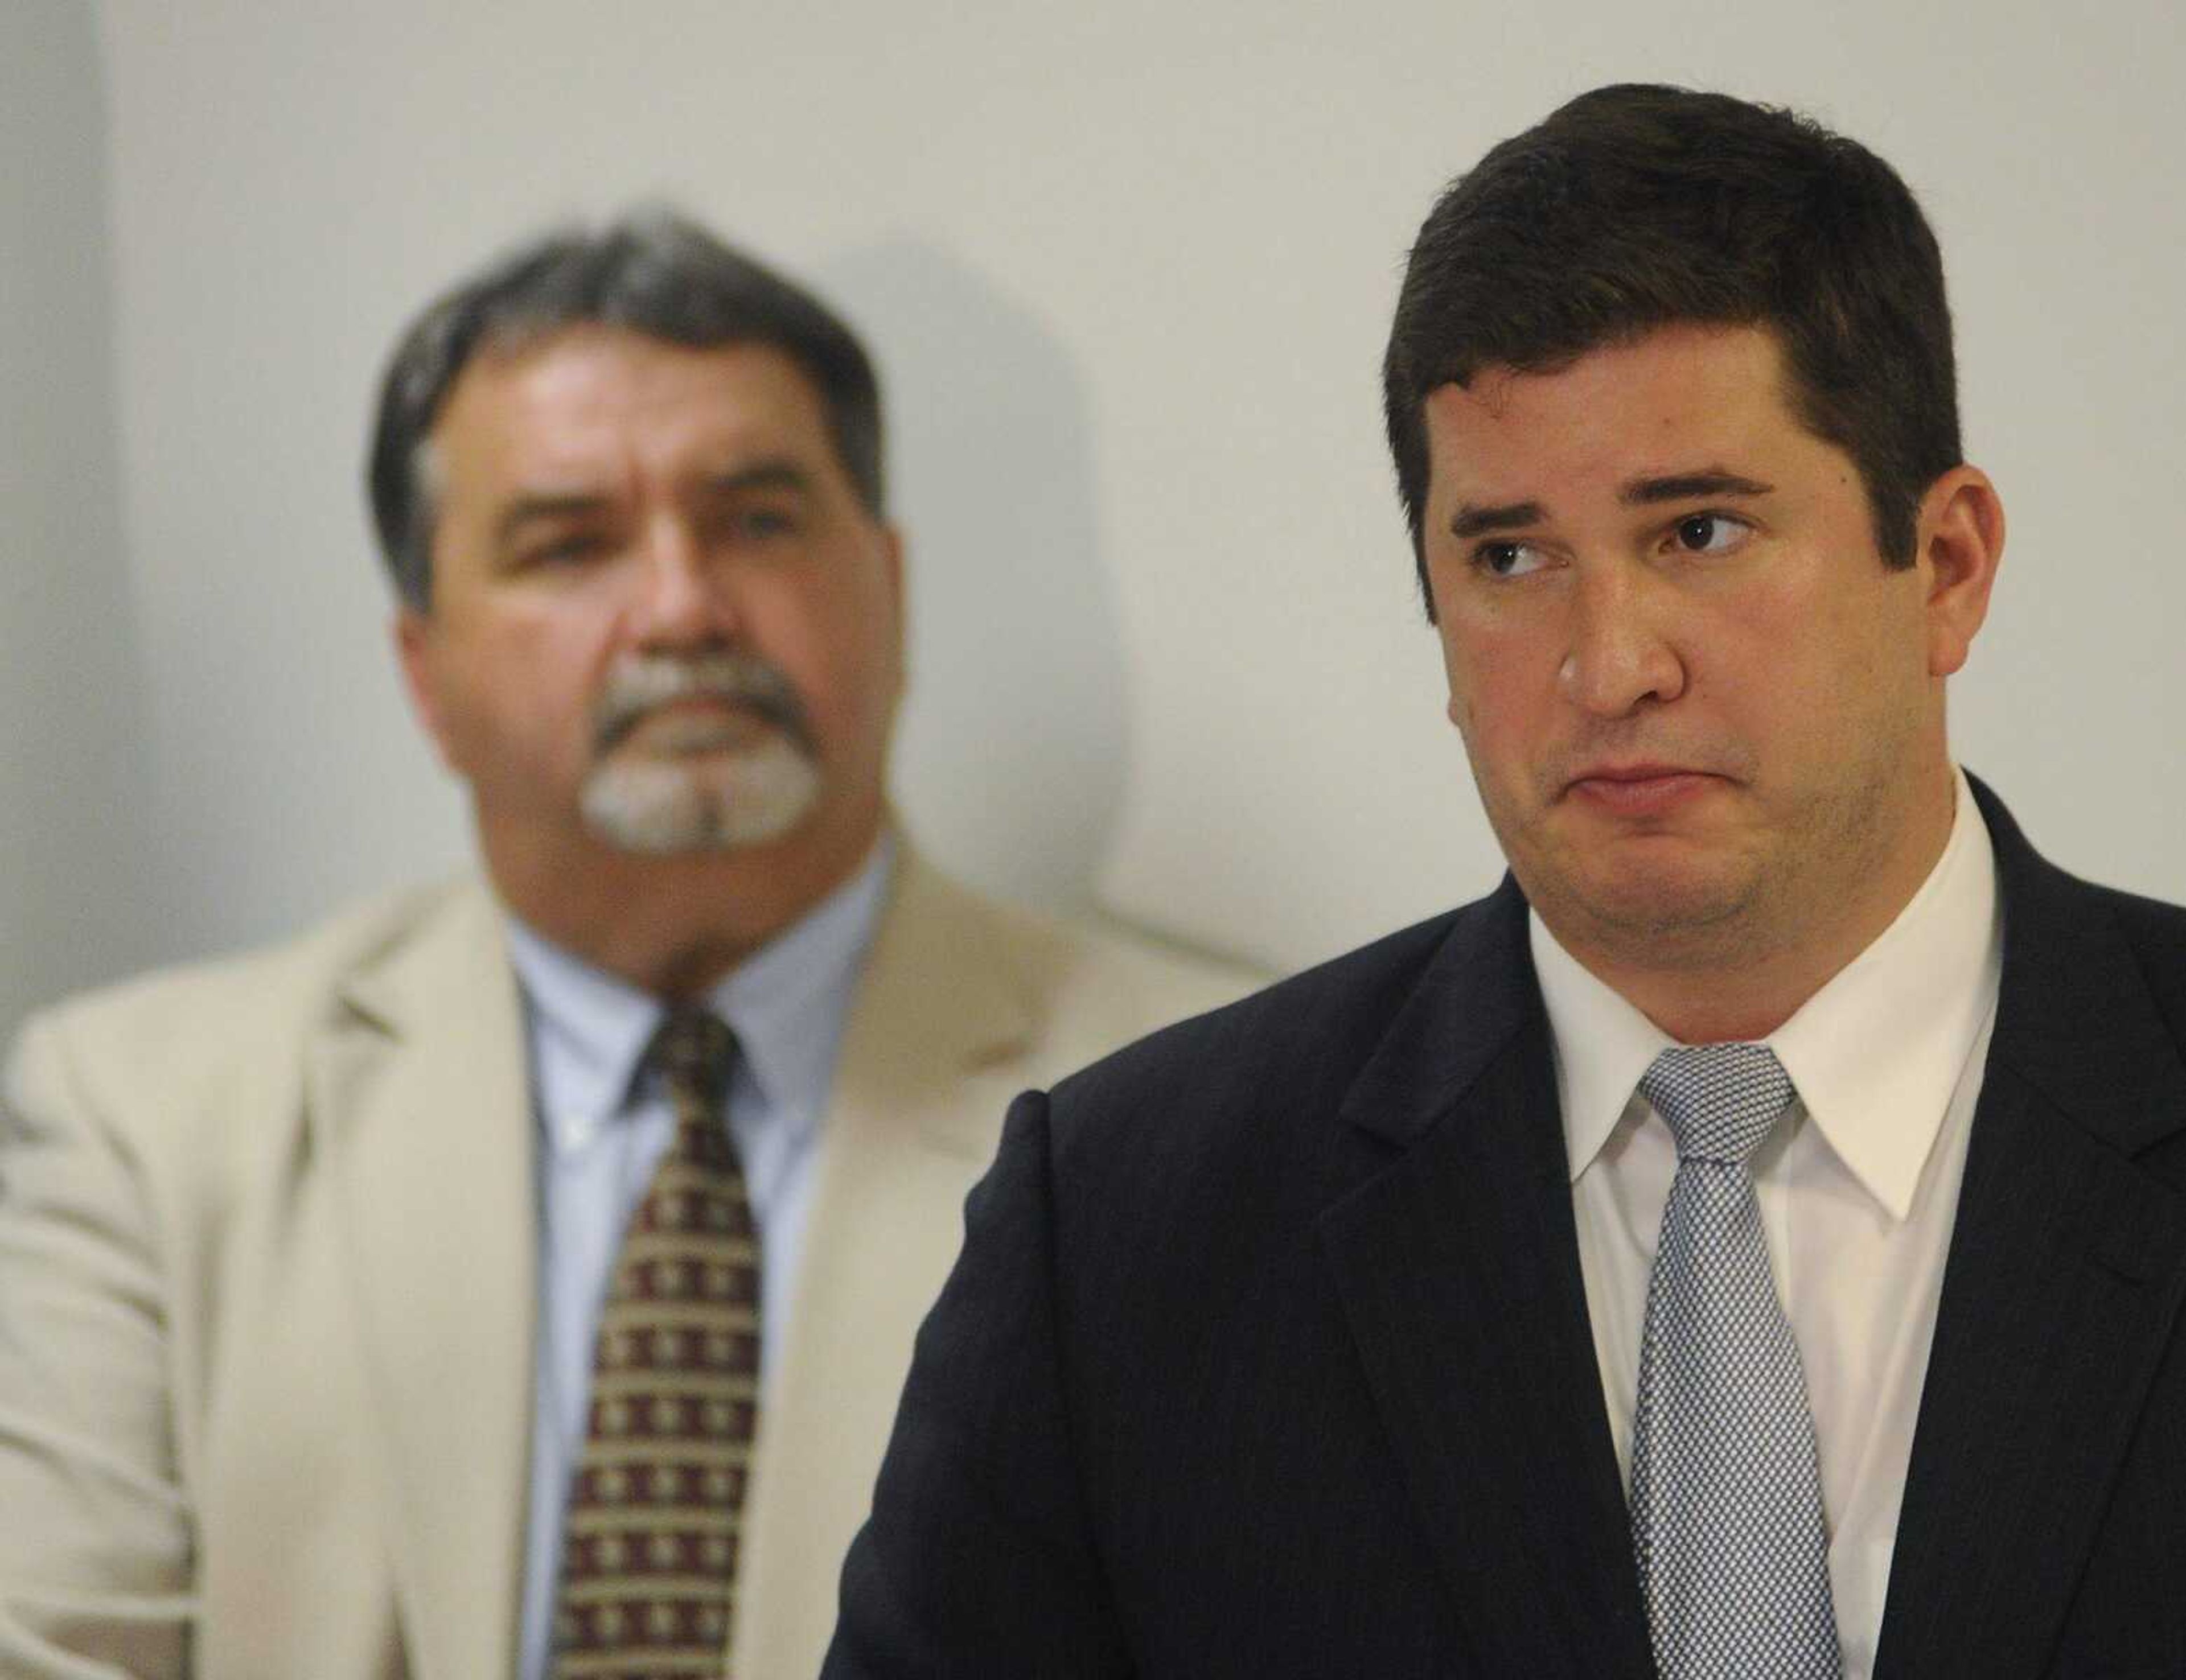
1128	268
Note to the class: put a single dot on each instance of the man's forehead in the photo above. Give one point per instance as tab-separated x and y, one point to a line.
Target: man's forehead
1712	354
1638	406
594	399
591	368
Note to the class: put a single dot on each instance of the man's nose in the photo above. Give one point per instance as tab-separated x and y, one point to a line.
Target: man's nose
681	601
1622	652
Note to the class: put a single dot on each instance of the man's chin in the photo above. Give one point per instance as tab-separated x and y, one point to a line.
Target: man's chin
1647	905
1661	910
713	804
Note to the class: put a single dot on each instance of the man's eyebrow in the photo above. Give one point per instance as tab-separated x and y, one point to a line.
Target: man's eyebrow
541	507
761	475
1472	521
1686	486
545	507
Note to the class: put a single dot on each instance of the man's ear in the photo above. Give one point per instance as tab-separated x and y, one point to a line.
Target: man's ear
892	553
411	632
1958	545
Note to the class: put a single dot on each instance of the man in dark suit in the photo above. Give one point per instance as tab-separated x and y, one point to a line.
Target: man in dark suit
1750	1242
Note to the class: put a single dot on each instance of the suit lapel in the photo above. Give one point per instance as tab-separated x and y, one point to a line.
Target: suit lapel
925	1074
2060	1295
418	1095
1458	1267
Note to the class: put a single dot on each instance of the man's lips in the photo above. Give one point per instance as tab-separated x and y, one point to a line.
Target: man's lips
1641	789
694	723
692	718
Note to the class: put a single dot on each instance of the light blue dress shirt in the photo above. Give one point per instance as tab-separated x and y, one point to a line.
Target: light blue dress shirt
602	1130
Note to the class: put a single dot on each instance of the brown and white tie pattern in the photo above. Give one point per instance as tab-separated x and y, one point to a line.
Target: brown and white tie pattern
650	1540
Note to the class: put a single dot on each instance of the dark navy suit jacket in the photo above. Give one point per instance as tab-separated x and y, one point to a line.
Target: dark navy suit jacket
1268	1355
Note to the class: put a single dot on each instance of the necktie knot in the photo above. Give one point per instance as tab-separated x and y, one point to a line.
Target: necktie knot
695	1052
1720	1099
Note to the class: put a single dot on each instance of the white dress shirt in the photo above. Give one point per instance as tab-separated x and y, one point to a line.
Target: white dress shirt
1858	1186
603	1128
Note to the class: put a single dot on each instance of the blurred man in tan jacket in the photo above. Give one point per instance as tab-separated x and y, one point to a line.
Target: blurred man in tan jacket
315	1353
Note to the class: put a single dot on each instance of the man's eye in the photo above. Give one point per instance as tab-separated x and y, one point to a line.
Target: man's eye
1710	533
1507	559
573	550
762	525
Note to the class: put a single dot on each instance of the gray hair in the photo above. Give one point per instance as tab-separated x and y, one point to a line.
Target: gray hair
652	271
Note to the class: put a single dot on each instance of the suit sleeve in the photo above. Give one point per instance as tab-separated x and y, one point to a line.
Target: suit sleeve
978	1558
94	1530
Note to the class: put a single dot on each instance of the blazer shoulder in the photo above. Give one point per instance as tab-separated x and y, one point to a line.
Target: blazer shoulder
1334	1012
1079	986
206	1025
2066	932
2156	927
1230	1129
2154	931
1138	980
1238	1089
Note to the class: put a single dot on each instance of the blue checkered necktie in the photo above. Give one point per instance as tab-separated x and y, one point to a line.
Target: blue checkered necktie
1726	1485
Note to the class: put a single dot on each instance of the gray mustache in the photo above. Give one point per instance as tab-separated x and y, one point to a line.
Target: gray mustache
637	686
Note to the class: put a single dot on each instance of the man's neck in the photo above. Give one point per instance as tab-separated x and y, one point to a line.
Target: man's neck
1741	1004
674	927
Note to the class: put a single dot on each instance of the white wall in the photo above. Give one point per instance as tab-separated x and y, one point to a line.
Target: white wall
1128	267
73	803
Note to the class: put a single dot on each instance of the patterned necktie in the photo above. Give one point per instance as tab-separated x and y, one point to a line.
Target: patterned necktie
1726	1486
650	1540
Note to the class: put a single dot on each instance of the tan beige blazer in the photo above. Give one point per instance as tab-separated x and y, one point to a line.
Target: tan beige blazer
268	1284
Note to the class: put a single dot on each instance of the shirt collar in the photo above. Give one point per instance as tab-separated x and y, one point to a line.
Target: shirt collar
787	1003
1604	1046
1875	1054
